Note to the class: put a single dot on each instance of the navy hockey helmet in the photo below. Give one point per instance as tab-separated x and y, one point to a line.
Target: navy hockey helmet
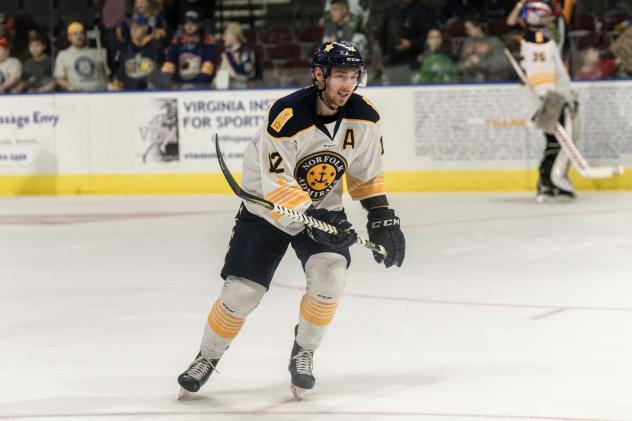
340	55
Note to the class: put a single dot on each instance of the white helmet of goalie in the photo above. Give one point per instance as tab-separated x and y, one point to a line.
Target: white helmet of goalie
537	13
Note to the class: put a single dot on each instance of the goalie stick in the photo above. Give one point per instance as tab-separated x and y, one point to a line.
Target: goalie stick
297	216
565	141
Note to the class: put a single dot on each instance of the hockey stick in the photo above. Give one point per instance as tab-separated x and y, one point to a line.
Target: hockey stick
565	141
297	216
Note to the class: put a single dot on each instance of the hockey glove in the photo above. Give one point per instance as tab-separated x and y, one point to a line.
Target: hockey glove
342	240
384	229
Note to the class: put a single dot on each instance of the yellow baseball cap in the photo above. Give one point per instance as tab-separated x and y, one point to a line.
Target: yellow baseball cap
75	27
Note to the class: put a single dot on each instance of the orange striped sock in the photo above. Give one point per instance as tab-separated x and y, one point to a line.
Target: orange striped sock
316	312
223	323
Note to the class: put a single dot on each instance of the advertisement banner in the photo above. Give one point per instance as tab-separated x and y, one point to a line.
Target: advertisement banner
433	135
28	129
233	115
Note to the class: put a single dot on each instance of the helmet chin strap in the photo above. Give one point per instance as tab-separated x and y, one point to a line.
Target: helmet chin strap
320	94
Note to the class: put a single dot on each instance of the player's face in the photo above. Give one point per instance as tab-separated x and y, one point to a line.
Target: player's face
77	38
340	85
4	53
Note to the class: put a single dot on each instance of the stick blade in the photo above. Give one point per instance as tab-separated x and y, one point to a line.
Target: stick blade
603	172
234	185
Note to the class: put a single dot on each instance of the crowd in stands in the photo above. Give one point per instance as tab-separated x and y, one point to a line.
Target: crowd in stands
179	44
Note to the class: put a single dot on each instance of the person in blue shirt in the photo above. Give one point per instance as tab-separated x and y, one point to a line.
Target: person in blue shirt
140	59
191	58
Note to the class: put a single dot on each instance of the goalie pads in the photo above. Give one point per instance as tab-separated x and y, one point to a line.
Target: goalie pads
548	113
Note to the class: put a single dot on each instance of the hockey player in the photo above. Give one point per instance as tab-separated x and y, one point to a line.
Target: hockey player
545	71
308	140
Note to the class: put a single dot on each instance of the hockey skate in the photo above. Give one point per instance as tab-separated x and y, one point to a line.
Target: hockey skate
301	363
552	194
196	375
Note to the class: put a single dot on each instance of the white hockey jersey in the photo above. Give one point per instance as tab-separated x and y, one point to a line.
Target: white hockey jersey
294	161
543	64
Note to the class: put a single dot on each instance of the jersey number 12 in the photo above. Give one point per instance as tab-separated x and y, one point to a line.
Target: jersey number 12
275	163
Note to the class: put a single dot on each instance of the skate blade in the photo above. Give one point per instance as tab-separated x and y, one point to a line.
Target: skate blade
298	392
184	394
553	199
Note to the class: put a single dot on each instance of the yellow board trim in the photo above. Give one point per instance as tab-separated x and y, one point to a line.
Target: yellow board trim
490	180
205	183
76	184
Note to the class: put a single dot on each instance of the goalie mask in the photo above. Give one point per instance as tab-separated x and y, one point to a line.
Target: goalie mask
341	55
537	13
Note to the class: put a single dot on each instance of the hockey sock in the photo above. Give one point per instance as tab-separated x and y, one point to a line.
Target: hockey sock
239	297
325	274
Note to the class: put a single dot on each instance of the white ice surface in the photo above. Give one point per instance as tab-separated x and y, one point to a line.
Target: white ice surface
503	310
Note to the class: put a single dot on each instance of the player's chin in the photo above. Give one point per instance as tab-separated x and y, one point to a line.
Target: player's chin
341	99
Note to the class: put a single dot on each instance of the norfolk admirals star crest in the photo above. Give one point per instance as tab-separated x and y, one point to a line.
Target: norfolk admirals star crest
318	173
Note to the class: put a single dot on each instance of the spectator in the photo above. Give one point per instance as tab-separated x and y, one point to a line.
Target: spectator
405	27
112	17
238	60
436	64
10	68
359	14
37	75
591	64
356	14
622	26
343	26
24	27
205	10
157	24
482	56
140	58
622	68
592	68
79	67
5	31
191	57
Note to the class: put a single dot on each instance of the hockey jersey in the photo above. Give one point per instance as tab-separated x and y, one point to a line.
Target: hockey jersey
543	64
139	64
295	160
191	60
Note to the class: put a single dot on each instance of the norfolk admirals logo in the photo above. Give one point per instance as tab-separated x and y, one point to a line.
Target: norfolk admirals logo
318	173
